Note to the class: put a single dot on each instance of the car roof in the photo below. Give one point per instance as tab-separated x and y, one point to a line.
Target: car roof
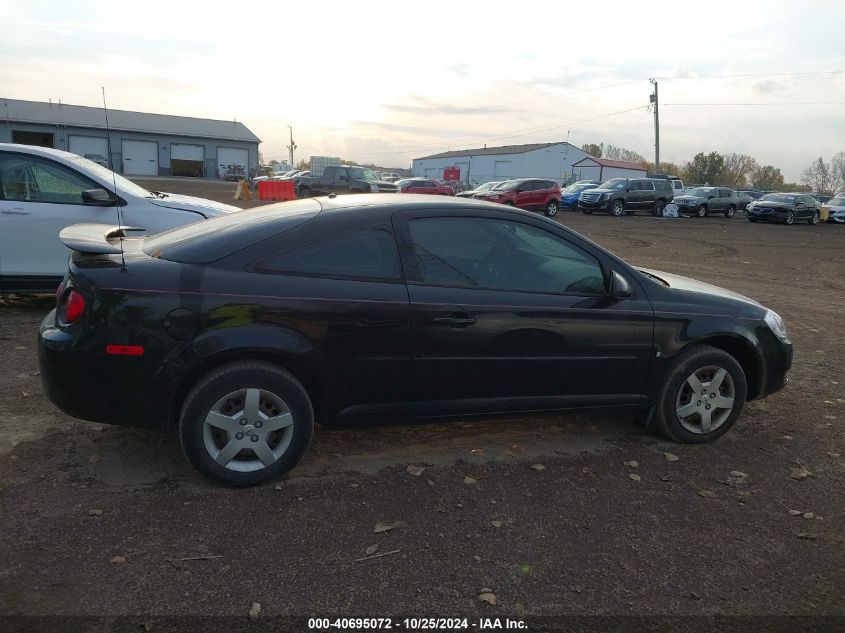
37	150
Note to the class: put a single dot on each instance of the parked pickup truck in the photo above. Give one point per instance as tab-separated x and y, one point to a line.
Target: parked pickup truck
342	179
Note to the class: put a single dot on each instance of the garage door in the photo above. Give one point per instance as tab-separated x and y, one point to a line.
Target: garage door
186	160
140	158
95	148
231	156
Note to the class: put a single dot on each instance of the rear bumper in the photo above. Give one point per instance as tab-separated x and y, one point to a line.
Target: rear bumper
86	383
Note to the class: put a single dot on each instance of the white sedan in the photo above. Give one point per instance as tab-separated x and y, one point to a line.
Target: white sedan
44	190
836	209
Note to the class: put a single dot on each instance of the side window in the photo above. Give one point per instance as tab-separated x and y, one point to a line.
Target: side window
369	253
635	186
677	184
341	174
30	179
647	185
492	254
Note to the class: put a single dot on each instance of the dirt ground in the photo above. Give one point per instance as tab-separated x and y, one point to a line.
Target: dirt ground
95	519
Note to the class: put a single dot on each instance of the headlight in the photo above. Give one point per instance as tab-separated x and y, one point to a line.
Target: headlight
604	196
776	324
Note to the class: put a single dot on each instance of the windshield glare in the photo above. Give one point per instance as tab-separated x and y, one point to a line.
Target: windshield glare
486	186
700	192
362	174
614	183
578	188
508	185
123	184
778	197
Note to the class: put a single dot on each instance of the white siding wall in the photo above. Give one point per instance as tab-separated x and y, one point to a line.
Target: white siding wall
554	162
619	172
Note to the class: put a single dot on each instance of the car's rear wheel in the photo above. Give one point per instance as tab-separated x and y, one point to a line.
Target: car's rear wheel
551	208
246	423
815	218
790	217
658	208
617	208
730	211
701	211
701	396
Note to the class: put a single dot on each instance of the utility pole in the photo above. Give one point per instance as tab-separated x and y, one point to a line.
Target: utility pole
653	99
291	147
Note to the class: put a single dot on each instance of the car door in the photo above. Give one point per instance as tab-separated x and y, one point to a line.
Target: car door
340	184
805	207
38	198
526	194
647	195
512	314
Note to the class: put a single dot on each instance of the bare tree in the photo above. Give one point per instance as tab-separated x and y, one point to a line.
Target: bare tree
837	171
612	152
818	176
737	169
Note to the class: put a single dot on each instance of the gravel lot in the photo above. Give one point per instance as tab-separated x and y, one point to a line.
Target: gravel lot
542	511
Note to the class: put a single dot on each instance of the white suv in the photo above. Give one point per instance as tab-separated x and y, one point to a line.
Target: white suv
44	190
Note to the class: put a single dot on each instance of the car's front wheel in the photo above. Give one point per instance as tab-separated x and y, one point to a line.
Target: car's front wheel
701	211
246	423
304	192
790	217
551	208
617	208
730	211
701	396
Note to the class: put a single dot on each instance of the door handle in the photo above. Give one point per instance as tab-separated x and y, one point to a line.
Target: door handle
455	321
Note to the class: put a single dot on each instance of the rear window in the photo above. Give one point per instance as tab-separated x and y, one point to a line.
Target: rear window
209	240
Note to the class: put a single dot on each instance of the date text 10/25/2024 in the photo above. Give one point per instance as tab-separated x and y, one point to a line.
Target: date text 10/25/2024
415	624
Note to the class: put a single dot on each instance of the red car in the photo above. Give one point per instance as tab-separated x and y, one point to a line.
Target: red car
526	193
424	185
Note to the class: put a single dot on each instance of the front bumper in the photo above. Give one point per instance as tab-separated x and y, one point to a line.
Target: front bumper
597	205
777	363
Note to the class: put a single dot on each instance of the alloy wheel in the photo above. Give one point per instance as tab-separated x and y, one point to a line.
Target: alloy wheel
551	208
705	400
730	212
815	218
701	211
248	430
618	208
790	217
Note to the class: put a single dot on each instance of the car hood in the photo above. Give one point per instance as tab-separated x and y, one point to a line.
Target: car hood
208	208
678	282
599	190
688	198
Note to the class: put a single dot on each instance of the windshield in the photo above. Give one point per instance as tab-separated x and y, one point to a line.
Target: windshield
578	188
362	174
508	185
614	183
124	185
403	182
700	192
487	186
778	197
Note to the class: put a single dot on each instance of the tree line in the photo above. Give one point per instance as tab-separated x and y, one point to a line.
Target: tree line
736	170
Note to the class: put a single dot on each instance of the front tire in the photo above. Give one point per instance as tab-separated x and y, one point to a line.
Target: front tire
304	192
701	211
790	217
246	423
587	211
617	208
551	208
701	396
730	211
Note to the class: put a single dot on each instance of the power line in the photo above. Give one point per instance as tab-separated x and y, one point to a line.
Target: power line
765	103
803	74
507	136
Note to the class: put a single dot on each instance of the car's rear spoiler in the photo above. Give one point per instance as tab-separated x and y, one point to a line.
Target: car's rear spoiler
94	238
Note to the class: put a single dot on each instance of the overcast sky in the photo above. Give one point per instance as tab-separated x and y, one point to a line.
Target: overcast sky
386	82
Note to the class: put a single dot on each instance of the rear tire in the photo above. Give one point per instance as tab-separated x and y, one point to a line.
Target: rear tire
701	396
815	219
551	208
730	211
246	423
658	208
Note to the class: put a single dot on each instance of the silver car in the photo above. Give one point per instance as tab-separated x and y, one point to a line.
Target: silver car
836	209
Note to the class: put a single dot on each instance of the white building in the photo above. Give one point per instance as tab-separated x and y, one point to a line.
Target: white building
592	168
553	161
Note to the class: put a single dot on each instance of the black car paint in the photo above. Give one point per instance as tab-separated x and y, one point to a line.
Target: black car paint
365	348
763	210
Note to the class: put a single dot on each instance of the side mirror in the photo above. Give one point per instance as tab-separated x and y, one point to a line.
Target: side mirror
619	286
97	197
710	197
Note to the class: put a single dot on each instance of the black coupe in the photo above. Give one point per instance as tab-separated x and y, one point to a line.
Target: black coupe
785	208
243	330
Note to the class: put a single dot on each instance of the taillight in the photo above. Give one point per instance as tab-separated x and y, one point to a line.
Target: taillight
71	308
